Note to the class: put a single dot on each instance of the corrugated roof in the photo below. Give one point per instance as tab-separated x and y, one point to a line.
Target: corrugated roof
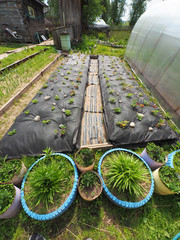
44	5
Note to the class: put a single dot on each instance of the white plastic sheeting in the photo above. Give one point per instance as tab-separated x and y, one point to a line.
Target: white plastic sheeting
153	51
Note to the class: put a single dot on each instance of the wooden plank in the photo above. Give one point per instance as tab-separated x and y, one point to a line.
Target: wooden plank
20	93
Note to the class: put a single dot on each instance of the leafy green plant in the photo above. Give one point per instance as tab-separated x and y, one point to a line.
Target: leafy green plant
176	162
129	95
167	115
87	180
125	172
72	93
154	112
169	177
62	129
139	116
108	85
53	108
34	101
66	77
26	112
122	124
57	97
117	110
46	121
45	85
40	93
160	123
9	170
155	152
69	72
68	112
10	133
111	91
71	101
134	103
7	194
112	100
146	103
85	157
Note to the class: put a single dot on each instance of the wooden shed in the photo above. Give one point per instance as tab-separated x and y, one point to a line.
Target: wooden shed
27	15
70	14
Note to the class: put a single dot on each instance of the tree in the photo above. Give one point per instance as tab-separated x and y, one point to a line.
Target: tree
138	8
91	11
106	15
117	9
54	8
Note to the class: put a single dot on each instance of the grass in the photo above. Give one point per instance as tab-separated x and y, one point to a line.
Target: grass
101	219
14	79
20	55
11	46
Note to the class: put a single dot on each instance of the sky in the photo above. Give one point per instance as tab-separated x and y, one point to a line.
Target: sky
149	4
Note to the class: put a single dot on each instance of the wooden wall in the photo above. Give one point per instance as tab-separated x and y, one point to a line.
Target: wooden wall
70	12
15	14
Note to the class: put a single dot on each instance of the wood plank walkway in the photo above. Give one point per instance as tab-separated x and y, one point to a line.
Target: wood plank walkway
92	128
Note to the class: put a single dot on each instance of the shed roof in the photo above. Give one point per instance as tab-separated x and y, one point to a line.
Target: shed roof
44	5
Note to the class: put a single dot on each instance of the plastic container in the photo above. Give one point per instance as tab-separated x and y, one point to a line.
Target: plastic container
65	42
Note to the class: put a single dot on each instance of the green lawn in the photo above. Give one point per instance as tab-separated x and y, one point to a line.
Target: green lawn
11	46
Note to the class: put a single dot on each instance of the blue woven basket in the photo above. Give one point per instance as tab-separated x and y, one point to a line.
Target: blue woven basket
170	159
114	199
64	206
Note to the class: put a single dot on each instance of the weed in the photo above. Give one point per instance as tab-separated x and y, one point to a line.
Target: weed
10	133
34	101
112	100
169	177
68	112
71	101
7	194
46	121
26	112
117	110
129	95
122	124
57	97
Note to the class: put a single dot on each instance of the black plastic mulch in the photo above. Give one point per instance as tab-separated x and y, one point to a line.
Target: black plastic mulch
120	87
32	136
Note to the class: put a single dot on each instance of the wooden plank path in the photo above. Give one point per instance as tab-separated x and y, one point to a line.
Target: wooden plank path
92	128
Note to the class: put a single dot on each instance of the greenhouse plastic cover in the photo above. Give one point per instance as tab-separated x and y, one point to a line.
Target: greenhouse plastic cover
153	51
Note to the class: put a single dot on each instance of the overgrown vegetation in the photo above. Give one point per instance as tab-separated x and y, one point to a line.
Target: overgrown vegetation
156	152
7	194
8	169
85	157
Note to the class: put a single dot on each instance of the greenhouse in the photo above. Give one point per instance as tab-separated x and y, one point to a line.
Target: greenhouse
153	51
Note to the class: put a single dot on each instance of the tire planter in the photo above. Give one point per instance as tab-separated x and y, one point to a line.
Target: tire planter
114	199
170	159
15	206
176	237
151	163
80	167
18	179
160	187
100	191
63	207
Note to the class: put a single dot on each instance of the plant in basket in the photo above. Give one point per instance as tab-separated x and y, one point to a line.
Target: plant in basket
9	200
11	171
167	181
49	183
154	155
126	176
85	159
89	185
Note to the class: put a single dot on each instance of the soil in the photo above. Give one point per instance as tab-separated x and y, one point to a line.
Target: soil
7	119
90	192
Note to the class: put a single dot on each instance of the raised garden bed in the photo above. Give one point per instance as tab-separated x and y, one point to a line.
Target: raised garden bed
130	115
53	117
